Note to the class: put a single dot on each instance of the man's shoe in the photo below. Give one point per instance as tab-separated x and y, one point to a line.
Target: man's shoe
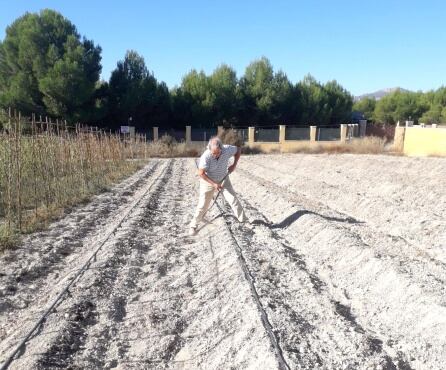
192	231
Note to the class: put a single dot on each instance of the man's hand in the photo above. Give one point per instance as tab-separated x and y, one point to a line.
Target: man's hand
217	186
231	168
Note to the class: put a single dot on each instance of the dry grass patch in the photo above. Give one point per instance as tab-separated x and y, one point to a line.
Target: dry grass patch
168	147
46	168
8	237
255	150
366	145
231	137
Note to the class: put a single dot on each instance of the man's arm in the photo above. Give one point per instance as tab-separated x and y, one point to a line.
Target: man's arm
236	158
202	166
202	174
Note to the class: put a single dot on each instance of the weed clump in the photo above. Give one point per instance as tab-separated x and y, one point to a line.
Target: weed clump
231	137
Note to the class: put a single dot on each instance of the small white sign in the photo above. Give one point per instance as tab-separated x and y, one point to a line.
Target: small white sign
125	129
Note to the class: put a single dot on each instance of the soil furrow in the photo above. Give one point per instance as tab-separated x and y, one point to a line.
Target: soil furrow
409	263
56	250
393	301
313	281
75	327
296	301
166	331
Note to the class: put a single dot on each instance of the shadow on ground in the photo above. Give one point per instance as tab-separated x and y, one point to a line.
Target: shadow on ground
293	218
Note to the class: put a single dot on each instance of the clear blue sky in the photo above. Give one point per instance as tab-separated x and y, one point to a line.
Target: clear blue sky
364	45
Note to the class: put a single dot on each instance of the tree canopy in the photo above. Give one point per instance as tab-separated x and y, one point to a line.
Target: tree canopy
45	67
135	96
429	107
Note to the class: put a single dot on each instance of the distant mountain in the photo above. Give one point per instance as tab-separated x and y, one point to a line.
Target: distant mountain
380	93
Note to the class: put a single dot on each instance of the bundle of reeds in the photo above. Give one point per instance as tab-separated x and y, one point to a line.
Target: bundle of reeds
47	166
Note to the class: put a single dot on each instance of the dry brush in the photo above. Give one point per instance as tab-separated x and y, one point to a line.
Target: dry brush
46	167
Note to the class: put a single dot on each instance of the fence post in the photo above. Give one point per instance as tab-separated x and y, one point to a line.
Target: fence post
155	134
362	127
188	135
398	139
282	131
10	162
343	133
313	131
251	137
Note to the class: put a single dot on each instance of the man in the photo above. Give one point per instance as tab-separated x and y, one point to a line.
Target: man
212	169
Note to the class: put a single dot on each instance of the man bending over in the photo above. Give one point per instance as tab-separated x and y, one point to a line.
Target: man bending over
212	169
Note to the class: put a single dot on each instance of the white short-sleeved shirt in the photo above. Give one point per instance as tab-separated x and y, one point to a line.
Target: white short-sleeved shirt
216	169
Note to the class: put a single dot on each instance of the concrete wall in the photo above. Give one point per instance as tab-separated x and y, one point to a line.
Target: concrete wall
414	141
289	146
266	147
420	141
398	139
282	145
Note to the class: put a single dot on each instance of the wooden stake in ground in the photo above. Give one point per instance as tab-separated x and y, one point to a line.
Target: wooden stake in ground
9	215
34	159
19	169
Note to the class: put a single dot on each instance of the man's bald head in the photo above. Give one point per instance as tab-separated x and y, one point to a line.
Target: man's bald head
215	145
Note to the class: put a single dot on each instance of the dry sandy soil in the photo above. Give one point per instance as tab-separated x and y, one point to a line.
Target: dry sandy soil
342	266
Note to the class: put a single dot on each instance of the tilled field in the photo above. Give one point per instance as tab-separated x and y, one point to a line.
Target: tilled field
342	266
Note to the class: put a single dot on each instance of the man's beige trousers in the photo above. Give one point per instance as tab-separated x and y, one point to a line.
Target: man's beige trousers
205	198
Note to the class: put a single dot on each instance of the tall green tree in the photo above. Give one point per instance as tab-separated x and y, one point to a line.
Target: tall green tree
283	109
181	112
195	92
256	87
266	96
435	114
385	109
366	106
45	66
162	109
323	104
436	103
400	106
99	105
223	94
339	103
134	93
313	101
